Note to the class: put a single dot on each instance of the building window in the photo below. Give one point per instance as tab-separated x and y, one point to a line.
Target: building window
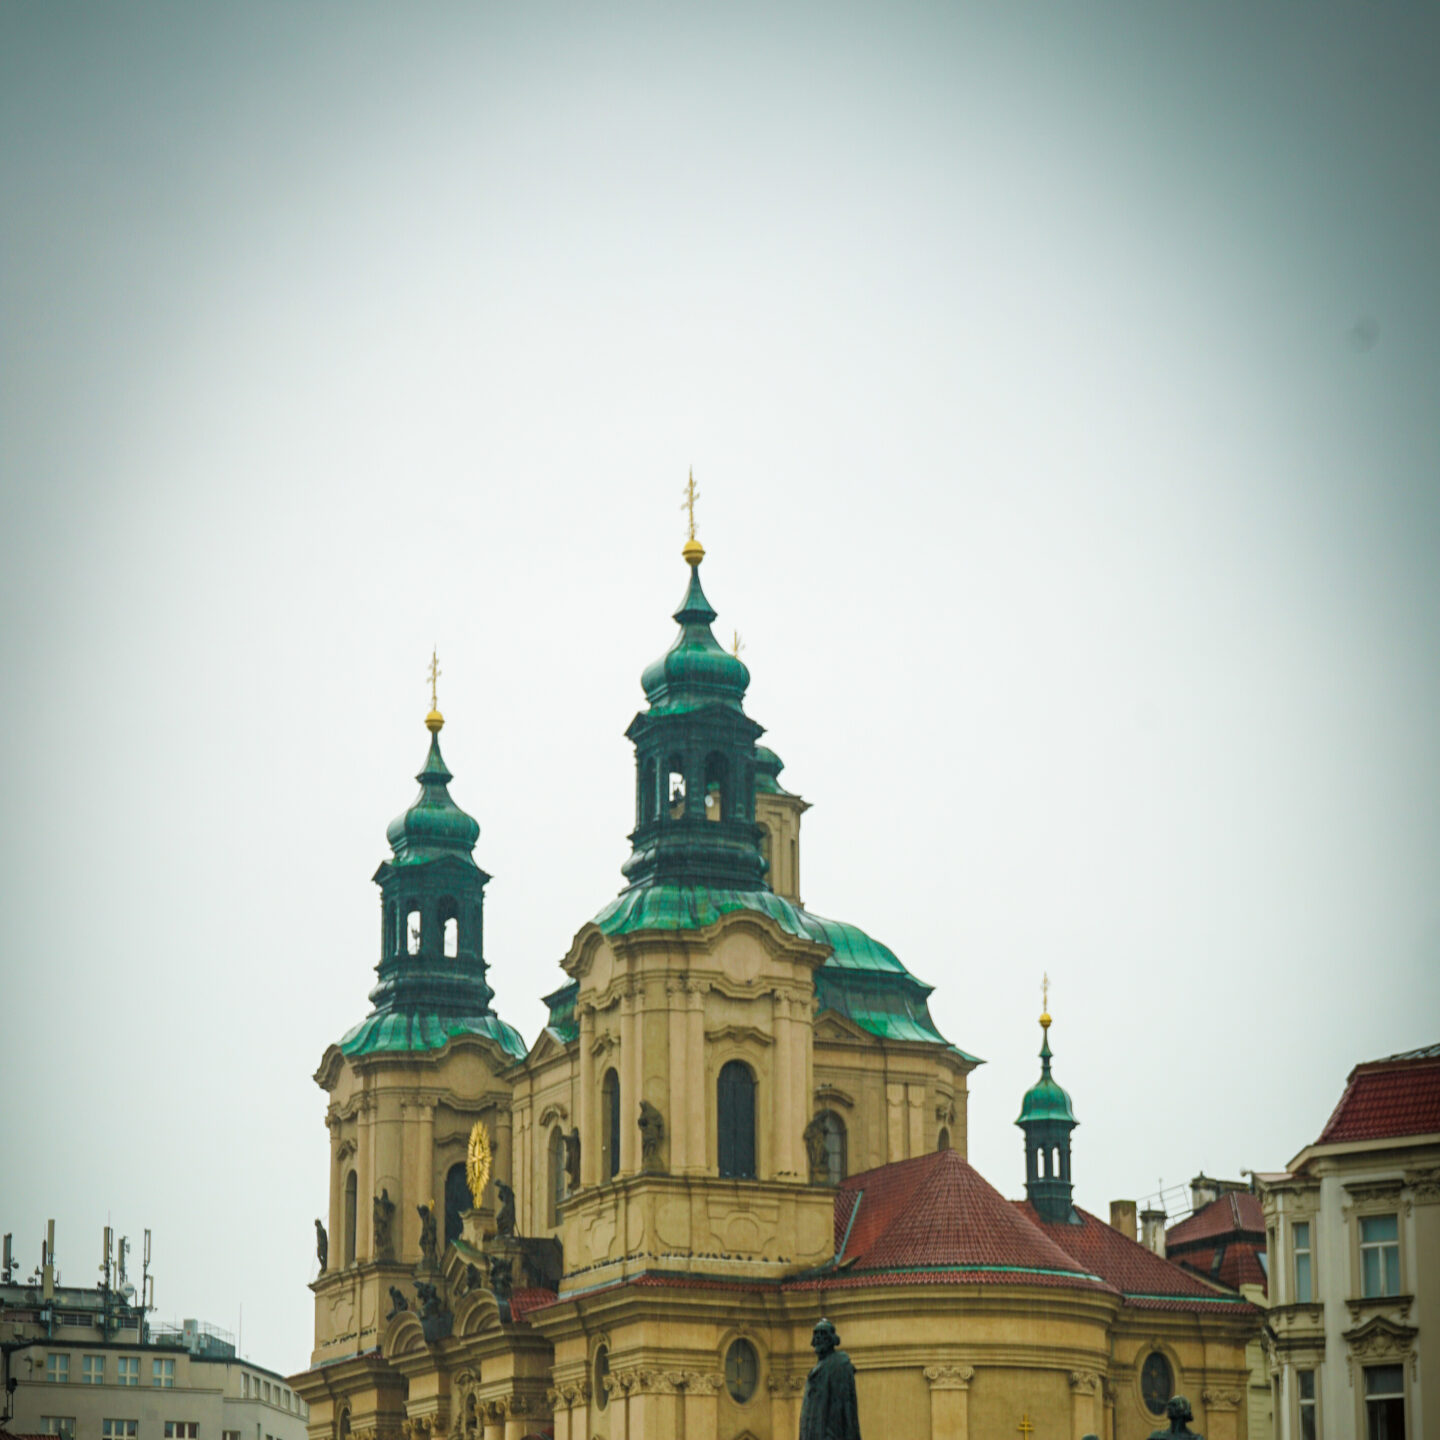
942	1141
162	1374
229	1435
832	1128
457	1201
1300	1243
119	1429
735	1117
1384	1402
742	1371
602	1375
610	1123
559	1176
63	1425
267	1392
1379	1255
351	1196
92	1369
1157	1382
1309	1430
57	1369
182	1429
127	1370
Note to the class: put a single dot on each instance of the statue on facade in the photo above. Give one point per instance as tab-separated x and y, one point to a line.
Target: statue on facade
398	1302
429	1245
429	1300
505	1216
384	1213
572	1159
815	1150
502	1276
1179	1414
322	1246
652	1135
829	1410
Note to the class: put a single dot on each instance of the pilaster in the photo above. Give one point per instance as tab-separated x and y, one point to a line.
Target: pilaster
949	1401
1084	1393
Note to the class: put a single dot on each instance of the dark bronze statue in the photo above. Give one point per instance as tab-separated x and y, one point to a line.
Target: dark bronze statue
505	1217
502	1276
398	1302
384	1214
1179	1414
429	1299
322	1246
652	1135
829	1411
429	1246
572	1160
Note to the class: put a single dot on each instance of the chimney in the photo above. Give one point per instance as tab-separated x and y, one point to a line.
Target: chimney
1203	1190
1122	1218
1152	1231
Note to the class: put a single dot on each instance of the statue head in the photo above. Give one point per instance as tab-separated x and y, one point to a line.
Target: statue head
824	1339
1177	1409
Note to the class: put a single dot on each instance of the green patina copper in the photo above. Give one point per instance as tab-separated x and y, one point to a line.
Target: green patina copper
562	1012
434	825
768	766
1045	1099
696	670
394	1033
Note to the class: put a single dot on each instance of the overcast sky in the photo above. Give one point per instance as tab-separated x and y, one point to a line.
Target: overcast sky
1061	384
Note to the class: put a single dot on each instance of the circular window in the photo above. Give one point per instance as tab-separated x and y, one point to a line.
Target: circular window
742	1371
1157	1382
602	1373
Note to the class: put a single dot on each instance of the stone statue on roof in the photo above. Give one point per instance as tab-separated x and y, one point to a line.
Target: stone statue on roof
829	1410
1179	1414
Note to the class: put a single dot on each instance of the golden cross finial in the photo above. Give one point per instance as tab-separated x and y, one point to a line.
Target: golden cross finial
434	720
737	645
691	496
1025	1427
1045	1001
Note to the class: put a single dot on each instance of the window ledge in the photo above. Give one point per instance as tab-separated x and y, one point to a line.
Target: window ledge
1370	1304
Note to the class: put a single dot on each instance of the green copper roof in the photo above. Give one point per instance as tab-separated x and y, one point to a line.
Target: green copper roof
393	1033
562	1012
434	825
1045	1100
861	978
768	766
696	670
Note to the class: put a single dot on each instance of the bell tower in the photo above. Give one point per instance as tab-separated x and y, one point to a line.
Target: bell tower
1047	1119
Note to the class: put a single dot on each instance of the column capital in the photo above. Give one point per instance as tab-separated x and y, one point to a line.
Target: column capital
1084	1382
949	1377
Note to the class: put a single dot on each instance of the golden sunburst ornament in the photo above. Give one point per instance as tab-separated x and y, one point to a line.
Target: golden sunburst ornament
477	1162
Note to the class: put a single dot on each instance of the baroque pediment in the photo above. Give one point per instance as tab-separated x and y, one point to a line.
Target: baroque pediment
1381	1338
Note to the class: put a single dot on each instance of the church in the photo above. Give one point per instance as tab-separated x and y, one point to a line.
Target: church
739	1118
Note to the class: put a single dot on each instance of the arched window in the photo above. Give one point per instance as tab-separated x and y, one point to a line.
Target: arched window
412	928
344	1428
457	1201
836	1146
610	1123
600	1374
1040	1160
395	927
675	787
559	1177
735	1120
1055	1163
352	1186
716	800
649	791
943	1141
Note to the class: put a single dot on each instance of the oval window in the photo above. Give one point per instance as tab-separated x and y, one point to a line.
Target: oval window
1157	1382
602	1373
742	1371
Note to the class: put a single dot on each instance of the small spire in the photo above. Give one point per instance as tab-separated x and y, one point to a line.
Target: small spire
434	721
692	551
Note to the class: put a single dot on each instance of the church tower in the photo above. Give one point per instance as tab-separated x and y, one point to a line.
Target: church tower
1047	1119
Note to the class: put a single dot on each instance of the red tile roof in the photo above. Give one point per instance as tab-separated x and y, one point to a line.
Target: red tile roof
935	1212
1139	1274
527	1301
1237	1212
1388	1098
1239	1263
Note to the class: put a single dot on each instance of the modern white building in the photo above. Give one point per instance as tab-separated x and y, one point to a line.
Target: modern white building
1353	1235
88	1366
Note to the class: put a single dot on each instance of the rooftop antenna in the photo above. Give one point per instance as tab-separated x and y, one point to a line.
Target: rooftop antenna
9	1262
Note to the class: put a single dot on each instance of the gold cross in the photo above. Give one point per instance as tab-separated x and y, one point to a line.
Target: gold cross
738	645
434	676
1045	993
1025	1427
691	496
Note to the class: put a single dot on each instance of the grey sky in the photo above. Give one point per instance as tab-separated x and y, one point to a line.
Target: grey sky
1061	386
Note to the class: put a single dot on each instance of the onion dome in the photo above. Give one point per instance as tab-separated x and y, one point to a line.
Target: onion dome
434	825
768	766
696	670
1045	1099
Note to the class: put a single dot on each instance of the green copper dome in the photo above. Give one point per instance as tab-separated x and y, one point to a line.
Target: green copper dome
768	766
1045	1099
434	825
696	670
